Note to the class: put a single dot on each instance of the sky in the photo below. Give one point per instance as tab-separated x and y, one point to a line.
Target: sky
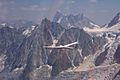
99	11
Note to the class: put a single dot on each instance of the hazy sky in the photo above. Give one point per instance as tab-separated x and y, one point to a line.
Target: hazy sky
100	11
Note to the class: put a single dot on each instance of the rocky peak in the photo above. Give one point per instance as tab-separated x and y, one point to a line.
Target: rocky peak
57	16
115	20
80	15
70	20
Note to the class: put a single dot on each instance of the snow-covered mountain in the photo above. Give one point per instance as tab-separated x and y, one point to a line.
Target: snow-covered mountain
71	20
112	29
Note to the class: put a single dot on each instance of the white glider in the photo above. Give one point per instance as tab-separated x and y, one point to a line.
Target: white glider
62	46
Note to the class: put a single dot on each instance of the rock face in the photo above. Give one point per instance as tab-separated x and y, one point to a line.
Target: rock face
8	36
115	20
98	73
27	52
59	50
63	59
37	55
107	69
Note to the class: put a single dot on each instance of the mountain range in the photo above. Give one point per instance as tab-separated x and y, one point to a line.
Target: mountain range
69	47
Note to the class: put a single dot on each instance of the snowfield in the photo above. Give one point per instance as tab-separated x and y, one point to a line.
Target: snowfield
114	29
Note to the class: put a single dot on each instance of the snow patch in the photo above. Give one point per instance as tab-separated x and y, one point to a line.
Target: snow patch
33	27
59	20
26	32
114	29
95	30
94	24
70	26
18	69
11	27
3	24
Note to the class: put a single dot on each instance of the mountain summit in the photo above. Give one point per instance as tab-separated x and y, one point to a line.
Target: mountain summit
78	21
115	20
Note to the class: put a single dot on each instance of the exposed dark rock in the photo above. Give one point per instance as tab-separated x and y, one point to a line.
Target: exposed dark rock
117	55
117	76
115	20
42	35
100	59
